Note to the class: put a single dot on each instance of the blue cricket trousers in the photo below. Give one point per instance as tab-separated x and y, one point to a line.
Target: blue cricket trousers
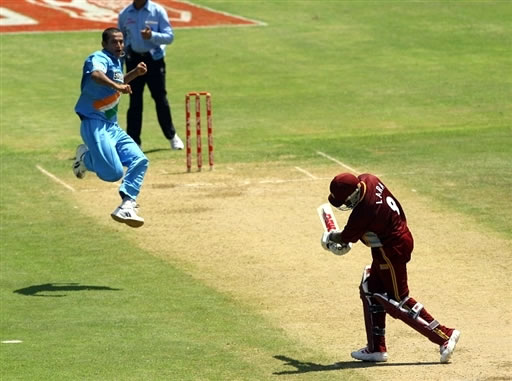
111	149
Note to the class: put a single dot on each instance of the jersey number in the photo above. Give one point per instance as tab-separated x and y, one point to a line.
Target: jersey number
392	204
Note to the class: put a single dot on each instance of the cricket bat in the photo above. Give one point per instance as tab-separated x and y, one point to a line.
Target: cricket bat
327	217
329	223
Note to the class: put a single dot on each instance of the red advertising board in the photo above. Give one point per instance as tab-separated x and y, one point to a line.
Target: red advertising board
66	15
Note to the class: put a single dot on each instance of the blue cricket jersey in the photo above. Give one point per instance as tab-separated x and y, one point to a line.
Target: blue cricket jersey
98	101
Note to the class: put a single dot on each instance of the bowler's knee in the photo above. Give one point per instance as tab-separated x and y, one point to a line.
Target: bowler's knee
113	175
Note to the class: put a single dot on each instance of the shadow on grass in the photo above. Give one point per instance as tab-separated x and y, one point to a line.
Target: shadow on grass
306	367
155	150
60	287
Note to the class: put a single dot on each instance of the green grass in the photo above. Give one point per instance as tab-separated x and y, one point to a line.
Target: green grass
418	91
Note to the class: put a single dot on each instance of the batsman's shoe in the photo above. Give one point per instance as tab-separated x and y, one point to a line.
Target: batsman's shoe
79	168
364	355
126	213
176	142
447	348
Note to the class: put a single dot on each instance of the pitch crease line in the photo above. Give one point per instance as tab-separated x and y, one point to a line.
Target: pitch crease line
55	178
338	162
306	173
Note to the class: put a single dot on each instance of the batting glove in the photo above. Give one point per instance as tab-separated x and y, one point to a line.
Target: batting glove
340	249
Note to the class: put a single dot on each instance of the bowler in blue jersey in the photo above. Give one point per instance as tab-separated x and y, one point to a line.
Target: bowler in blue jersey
107	148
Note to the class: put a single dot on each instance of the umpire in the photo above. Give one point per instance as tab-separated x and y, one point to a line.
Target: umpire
147	30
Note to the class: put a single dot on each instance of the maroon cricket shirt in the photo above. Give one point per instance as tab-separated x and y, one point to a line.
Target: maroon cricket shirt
378	220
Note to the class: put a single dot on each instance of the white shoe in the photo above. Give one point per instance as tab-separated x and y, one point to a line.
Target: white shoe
126	213
79	168
176	142
364	355
447	348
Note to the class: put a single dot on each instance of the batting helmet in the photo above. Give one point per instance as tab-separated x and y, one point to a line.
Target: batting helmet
341	187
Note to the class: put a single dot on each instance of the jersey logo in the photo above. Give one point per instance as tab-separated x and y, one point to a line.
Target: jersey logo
118	76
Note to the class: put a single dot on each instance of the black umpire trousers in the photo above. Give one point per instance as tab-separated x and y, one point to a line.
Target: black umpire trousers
155	79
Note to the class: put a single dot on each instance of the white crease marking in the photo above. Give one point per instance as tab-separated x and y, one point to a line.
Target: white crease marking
55	178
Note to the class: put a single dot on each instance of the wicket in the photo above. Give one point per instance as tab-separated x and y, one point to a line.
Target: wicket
208	100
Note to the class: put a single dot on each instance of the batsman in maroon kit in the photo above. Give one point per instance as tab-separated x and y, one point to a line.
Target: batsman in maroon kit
378	220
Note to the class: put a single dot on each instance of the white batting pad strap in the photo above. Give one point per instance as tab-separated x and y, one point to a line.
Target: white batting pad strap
404	300
416	309
433	324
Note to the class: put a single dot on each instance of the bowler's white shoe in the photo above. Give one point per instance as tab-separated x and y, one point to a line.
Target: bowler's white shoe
79	168
126	213
364	355
447	348
176	142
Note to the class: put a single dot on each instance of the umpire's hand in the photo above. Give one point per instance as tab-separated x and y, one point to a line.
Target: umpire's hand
146	33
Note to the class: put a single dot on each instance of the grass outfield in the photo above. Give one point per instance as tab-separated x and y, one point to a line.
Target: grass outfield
419	92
